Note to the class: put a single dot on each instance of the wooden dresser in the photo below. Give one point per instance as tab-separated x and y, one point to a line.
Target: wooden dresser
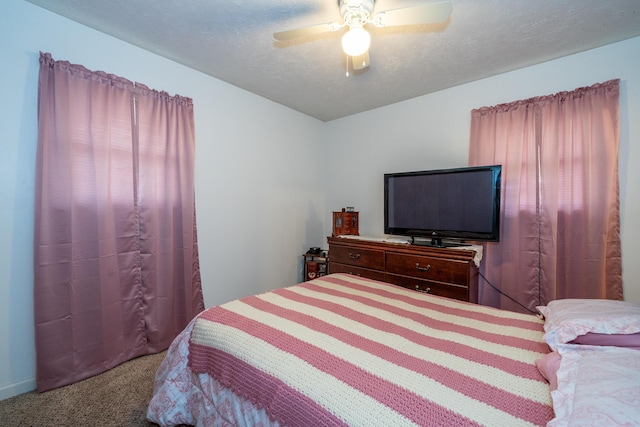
439	271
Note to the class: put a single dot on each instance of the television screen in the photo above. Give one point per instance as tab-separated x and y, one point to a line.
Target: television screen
460	204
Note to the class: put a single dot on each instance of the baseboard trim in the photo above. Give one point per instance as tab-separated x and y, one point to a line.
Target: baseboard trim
15	389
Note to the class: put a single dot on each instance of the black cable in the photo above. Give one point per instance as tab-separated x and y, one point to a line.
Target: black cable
503	294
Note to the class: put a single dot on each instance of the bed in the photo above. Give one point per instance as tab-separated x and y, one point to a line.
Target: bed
341	350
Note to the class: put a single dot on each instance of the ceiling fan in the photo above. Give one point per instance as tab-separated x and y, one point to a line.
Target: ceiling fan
358	13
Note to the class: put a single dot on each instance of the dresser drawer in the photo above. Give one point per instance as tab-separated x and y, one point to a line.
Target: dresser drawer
430	268
359	257
439	271
449	290
335	267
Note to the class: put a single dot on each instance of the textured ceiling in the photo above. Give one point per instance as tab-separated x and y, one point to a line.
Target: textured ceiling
232	40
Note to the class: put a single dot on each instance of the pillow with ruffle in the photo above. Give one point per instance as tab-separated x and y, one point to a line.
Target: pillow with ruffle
548	366
597	386
568	319
615	340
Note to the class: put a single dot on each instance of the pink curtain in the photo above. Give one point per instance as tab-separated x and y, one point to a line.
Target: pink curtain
116	266
560	218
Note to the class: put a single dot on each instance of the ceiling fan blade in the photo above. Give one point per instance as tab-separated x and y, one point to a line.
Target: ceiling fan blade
306	31
361	62
431	13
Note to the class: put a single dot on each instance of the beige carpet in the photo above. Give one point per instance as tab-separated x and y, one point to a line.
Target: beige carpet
118	397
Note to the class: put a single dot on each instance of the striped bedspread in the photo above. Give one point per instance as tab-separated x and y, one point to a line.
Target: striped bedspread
342	350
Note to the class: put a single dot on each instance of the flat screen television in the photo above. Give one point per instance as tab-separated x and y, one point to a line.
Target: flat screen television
449	206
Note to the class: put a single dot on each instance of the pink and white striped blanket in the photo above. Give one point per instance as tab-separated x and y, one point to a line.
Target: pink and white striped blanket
342	350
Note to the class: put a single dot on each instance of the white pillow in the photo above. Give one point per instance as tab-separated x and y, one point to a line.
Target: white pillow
567	319
597	386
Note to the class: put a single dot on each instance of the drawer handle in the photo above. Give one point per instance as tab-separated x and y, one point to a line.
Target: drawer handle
422	268
424	291
352	256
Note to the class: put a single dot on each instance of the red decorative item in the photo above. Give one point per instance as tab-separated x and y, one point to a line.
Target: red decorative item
345	223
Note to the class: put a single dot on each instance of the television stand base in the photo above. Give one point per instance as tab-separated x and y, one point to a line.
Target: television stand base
437	242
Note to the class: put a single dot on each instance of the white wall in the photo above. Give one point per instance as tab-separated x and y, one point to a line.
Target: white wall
258	209
261	202
432	131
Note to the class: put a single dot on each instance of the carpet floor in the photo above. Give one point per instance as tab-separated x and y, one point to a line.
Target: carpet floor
118	397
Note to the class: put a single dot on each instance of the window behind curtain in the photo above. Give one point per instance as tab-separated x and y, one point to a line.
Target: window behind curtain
560	218
116	267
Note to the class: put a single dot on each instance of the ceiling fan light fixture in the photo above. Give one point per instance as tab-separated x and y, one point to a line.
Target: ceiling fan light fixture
356	41
358	13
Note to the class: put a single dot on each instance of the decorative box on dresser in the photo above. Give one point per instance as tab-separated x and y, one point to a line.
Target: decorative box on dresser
445	272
